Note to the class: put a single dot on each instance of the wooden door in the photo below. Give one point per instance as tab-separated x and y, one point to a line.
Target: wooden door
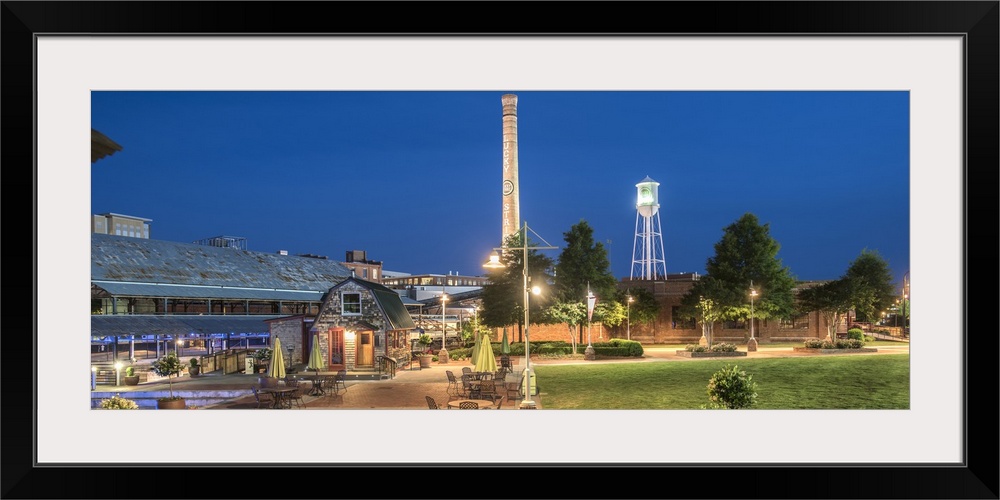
365	349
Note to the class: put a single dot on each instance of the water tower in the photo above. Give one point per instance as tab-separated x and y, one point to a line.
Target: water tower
647	252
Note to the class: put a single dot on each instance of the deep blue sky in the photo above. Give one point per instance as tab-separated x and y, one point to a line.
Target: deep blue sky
414	178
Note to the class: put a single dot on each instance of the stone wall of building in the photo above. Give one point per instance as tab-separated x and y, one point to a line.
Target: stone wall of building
290	331
330	316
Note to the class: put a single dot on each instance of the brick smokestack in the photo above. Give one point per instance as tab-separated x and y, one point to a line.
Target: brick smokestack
510	209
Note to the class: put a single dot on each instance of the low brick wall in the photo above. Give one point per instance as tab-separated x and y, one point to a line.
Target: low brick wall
692	354
833	351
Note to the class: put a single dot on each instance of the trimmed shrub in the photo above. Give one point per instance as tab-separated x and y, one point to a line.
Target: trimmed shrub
724	347
814	343
856	333
117	402
731	388
695	348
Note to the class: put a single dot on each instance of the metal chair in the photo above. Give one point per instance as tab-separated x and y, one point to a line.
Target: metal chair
514	388
431	404
341	380
296	396
262	401
468	405
466	370
499	403
455	388
505	363
488	390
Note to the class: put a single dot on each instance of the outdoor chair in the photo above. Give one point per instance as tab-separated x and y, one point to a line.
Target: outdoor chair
455	388
468	405
488	390
341	380
467	387
514	388
296	397
431	404
505	363
466	370
499	403
262	401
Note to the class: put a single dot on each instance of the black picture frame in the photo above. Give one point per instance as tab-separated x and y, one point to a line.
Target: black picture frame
976	21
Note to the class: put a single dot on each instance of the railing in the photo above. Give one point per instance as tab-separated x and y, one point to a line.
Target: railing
386	366
229	361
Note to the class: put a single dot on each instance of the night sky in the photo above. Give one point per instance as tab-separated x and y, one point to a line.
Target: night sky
414	177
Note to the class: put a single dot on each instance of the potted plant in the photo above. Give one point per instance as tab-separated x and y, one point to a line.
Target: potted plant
130	377
261	358
168	366
194	369
425	357
117	402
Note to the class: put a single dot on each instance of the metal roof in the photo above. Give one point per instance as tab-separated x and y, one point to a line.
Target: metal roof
146	261
399	317
136	324
214	292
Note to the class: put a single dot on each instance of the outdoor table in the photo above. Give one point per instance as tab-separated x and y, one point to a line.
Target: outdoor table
317	385
280	396
484	404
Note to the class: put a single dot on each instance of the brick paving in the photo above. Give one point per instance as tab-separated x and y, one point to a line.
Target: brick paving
409	387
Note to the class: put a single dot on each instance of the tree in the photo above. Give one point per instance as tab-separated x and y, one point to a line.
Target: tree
746	254
644	308
869	281
167	366
709	315
503	296
581	263
570	314
830	299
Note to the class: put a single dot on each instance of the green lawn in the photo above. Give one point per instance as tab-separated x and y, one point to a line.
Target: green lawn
828	382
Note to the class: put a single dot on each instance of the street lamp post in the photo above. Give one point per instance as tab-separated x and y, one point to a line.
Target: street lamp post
628	318
752	344
589	353
443	353
494	263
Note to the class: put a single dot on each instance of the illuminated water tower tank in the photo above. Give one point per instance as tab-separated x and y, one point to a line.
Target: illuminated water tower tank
647	251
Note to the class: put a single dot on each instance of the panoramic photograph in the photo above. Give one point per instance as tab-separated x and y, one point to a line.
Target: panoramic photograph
500	250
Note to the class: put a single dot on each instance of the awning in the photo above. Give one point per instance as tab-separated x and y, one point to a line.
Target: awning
159	290
135	324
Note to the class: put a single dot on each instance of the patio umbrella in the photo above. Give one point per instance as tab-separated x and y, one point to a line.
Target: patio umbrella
485	361
277	367
475	349
505	346
315	357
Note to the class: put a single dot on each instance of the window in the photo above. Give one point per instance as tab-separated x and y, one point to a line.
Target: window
351	303
364	273
734	324
678	323
796	323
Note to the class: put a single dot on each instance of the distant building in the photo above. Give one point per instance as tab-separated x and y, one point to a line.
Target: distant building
120	225
357	261
223	242
425	286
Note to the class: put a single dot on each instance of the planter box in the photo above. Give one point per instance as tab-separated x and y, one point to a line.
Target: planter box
708	354
818	350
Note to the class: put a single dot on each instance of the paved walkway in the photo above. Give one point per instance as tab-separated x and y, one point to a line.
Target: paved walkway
409	387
